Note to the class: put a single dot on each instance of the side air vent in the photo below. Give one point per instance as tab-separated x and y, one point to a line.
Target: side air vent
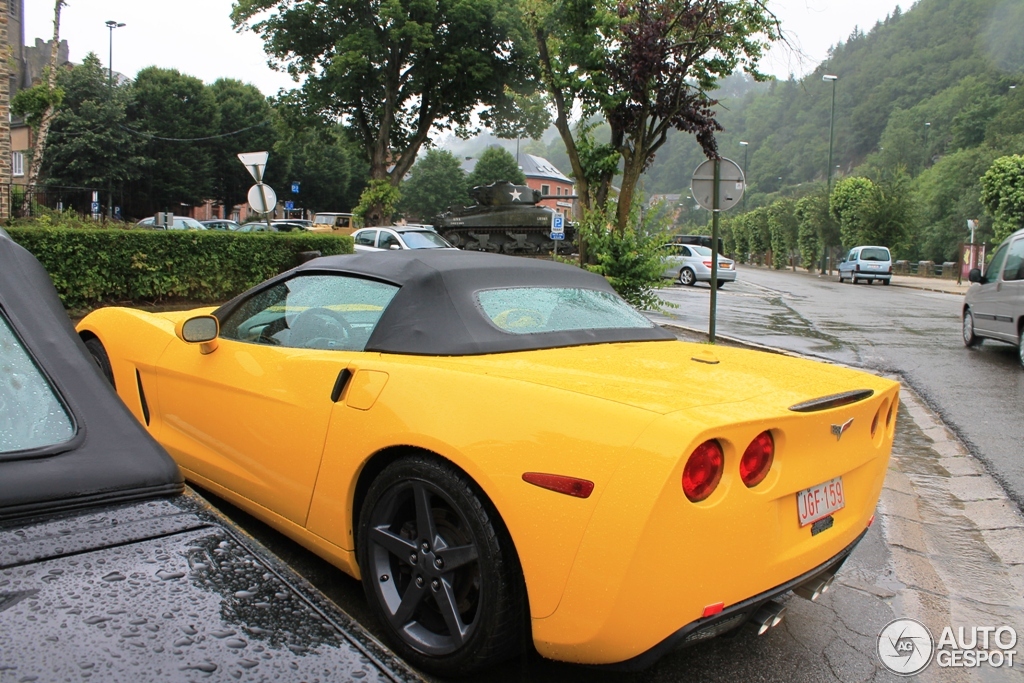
833	401
142	397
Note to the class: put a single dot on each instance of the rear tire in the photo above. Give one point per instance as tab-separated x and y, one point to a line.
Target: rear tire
721	283
1020	347
687	277
439	569
99	354
970	338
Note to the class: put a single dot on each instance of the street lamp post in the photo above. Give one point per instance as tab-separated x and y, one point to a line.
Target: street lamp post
745	145
831	132
110	62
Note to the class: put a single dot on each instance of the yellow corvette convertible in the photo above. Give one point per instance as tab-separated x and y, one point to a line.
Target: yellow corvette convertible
502	449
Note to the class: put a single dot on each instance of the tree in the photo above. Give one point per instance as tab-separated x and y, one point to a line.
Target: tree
396	70
326	163
1002	194
495	164
782	228
40	104
646	66
437	182
245	125
87	145
176	116
812	216
848	206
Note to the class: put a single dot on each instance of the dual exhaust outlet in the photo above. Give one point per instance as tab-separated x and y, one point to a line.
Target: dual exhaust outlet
771	613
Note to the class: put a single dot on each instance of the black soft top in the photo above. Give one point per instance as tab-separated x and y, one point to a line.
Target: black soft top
435	311
110	458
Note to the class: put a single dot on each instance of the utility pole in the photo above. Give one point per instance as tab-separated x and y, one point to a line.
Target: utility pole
831	133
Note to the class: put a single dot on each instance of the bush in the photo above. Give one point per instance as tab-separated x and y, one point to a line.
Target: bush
631	260
89	267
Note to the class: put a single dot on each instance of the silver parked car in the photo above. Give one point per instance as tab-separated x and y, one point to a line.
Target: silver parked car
398	237
867	263
691	263
994	305
180	223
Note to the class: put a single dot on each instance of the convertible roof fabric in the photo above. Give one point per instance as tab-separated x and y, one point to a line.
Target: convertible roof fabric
111	458
435	311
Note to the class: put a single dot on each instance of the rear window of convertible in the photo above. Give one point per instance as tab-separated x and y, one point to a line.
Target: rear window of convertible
531	310
31	415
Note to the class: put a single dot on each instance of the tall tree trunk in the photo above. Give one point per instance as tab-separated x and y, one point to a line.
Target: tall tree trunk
51	110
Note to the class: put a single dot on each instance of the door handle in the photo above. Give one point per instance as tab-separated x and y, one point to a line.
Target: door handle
339	384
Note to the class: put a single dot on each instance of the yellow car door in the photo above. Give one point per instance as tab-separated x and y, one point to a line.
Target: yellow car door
253	414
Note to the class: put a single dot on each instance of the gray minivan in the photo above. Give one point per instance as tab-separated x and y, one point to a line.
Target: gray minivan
994	305
867	263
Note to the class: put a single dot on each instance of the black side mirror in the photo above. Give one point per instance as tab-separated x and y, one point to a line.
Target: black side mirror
975	275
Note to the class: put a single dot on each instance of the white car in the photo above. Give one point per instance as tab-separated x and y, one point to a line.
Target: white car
691	263
396	238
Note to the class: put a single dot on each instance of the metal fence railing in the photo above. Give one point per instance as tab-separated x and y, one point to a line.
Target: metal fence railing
55	198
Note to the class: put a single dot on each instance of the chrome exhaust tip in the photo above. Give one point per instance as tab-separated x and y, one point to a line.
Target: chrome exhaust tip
769	615
815	588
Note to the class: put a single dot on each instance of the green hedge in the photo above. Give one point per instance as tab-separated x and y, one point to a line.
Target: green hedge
96	266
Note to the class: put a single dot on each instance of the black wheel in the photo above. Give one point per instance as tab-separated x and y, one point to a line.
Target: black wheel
855	281
970	338
687	277
439	569
885	282
1020	347
721	283
840	278
99	354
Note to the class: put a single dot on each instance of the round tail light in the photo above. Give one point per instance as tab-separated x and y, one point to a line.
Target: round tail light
757	459
703	471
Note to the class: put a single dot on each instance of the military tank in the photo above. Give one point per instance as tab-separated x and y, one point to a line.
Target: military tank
505	218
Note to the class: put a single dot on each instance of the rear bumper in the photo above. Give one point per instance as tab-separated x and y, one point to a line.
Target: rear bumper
730	618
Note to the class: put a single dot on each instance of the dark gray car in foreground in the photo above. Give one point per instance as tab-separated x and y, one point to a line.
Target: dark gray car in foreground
112	570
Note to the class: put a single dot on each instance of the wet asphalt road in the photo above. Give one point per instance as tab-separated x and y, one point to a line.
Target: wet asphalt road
979	393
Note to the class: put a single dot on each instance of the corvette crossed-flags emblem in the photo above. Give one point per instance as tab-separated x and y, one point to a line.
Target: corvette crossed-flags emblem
839	429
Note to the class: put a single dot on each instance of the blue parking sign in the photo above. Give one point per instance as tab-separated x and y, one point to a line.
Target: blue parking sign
558	223
558	235
289	206
295	188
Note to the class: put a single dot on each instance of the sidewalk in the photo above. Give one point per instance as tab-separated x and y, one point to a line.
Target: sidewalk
933	284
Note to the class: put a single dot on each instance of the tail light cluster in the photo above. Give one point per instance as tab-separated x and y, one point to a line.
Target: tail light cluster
703	469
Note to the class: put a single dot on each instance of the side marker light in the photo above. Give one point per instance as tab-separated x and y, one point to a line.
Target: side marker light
570	486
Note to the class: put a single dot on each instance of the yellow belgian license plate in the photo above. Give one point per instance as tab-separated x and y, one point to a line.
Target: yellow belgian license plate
820	501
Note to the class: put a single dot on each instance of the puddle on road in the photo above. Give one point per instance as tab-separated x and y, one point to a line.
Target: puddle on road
957	545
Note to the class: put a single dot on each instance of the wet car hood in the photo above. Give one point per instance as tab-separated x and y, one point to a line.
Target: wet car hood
166	590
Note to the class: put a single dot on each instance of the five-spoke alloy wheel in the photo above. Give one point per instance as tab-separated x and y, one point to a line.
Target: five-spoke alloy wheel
439	569
687	277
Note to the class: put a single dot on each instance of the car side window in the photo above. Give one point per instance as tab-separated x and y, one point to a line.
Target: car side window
312	312
31	415
853	255
386	239
1014	268
685	251
366	237
995	265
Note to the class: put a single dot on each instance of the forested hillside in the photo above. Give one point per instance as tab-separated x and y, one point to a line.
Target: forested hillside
928	95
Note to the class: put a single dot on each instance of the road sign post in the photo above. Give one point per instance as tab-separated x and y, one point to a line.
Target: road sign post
717	185
262	198
557	229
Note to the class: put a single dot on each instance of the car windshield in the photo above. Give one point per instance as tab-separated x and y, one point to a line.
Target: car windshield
31	415
874	254
424	239
529	310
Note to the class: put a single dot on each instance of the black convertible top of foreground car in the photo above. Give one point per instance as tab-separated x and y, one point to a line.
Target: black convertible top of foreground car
110	568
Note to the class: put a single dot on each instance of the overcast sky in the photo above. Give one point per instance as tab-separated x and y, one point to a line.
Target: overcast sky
196	36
